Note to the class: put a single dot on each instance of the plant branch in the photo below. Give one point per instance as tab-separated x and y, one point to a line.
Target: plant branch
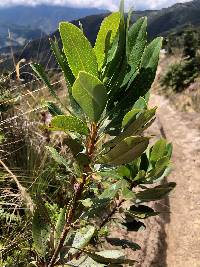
78	193
111	213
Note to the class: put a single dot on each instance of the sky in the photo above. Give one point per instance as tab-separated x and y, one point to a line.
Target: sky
106	4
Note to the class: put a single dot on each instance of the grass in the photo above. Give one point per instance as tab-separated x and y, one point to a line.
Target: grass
24	162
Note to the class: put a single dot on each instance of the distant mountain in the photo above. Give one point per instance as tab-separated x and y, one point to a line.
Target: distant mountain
16	36
43	17
27	23
39	50
174	18
160	22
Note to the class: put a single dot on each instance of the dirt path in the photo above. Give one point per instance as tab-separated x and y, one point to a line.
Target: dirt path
182	240
172	239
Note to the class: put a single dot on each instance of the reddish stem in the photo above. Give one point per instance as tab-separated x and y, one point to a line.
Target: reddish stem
90	149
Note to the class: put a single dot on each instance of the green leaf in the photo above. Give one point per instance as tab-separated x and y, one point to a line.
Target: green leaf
148	67
136	43
140	176
127	193
107	32
156	193
126	151
98	205
87	202
110	257
123	171
158	150
40	231
134	167
128	22
137	35
69	77
82	238
141	212
151	55
90	94
159	168
111	192
60	57
140	104
116	61
57	157
129	78
69	123
54	110
111	174
38	69
147	96
169	150
84	261
121	10
131	115
59	226
137	39
135	128
78	50
142	83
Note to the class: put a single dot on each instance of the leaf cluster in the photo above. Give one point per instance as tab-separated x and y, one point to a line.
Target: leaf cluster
104	127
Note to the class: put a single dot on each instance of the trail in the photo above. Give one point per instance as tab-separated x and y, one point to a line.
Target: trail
172	239
182	230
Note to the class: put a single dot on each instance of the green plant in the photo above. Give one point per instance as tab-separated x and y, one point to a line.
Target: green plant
190	44
181	75
111	161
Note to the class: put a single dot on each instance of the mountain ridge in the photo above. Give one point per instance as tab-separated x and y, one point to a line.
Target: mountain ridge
160	23
43	17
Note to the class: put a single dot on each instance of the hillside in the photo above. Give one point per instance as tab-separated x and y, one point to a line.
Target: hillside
15	35
43	17
39	50
174	18
160	22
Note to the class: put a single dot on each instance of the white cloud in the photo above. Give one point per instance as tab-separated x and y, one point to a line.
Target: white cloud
108	4
156	4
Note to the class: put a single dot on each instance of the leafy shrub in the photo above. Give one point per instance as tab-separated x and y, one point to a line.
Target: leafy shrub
110	160
181	75
190	44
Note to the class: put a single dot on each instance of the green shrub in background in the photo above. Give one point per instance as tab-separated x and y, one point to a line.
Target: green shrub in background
111	162
190	44
179	76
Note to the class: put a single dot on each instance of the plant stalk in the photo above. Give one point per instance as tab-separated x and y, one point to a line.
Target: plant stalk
79	190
